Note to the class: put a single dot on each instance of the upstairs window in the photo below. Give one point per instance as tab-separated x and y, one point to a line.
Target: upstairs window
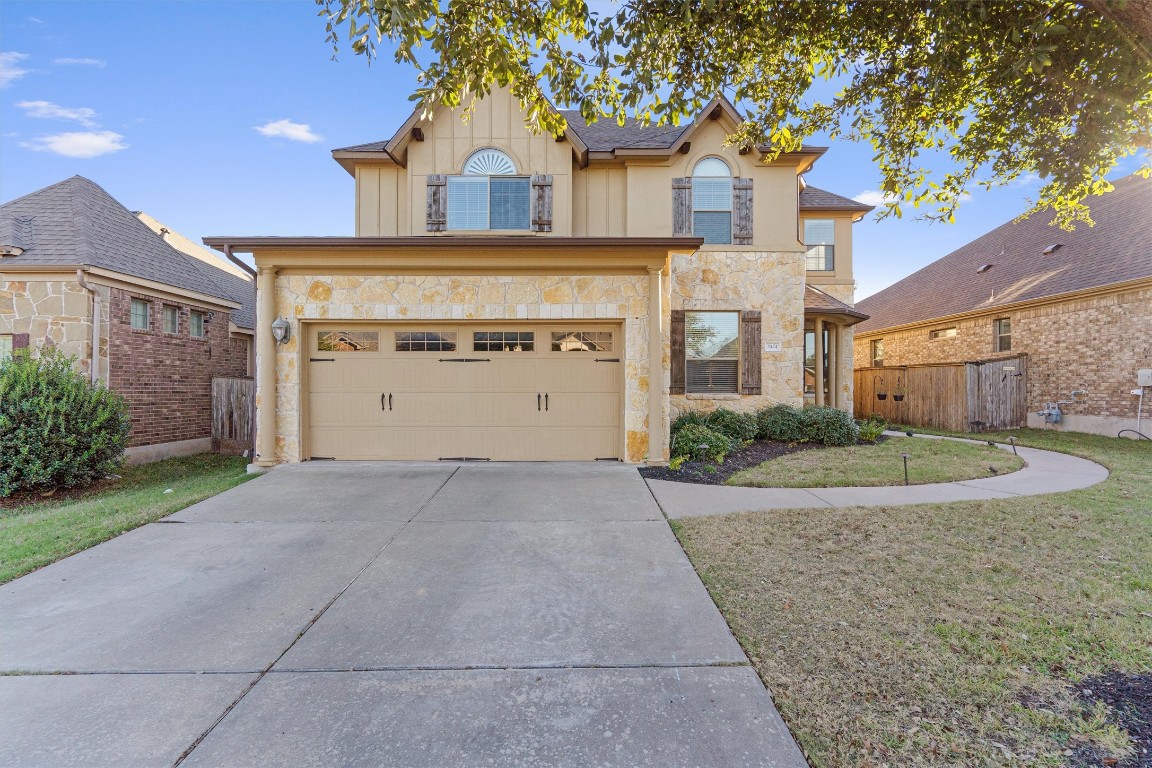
712	201
196	325
1002	330
878	353
820	242
489	195
943	333
171	319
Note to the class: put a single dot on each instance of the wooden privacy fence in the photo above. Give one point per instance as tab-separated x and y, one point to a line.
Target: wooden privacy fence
963	397
233	414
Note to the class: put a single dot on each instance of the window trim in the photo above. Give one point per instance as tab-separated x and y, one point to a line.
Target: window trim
164	315
829	253
132	304
998	335
203	324
874	346
730	210
738	359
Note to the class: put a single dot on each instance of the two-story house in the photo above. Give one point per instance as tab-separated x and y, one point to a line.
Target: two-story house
516	296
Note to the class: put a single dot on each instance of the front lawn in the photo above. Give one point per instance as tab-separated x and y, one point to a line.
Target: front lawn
34	533
931	461
975	633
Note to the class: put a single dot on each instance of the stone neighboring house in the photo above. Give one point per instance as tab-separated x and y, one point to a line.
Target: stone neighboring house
512	296
1078	304
167	319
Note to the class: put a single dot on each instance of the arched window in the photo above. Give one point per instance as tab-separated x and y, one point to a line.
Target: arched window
489	194
712	200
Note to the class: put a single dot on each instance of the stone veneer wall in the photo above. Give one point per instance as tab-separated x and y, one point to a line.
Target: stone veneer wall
54	313
770	281
167	378
445	298
1096	344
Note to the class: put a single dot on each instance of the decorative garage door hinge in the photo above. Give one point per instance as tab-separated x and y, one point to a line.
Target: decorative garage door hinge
607	359
465	360
464	458
321	359
321	458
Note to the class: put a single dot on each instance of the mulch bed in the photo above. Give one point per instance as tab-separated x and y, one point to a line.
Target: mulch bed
1129	699
707	473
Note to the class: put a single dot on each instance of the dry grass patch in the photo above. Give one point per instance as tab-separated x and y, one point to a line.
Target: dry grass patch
944	635
932	461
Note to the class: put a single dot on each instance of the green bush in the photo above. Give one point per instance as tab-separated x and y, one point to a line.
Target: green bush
696	418
740	427
687	440
781	422
830	426
57	429
870	430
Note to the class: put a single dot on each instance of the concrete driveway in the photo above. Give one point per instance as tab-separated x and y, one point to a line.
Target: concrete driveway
385	615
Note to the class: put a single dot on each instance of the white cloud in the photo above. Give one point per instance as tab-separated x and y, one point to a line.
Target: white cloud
1026	180
10	69
874	197
48	110
83	144
286	129
82	62
35	20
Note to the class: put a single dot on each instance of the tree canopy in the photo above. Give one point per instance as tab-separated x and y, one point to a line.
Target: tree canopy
986	90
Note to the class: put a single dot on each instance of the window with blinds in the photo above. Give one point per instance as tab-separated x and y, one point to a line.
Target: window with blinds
712	351
712	201
489	195
820	240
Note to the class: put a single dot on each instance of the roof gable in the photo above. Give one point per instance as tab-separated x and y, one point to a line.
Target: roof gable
1117	250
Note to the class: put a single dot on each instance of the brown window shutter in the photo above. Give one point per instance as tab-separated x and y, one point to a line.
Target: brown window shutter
437	213
751	363
742	211
676	328
20	341
541	203
682	207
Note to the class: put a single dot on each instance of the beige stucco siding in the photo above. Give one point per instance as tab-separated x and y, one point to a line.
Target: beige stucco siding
771	282
441	298
600	202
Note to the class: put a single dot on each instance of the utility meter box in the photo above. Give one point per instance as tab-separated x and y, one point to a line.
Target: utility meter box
1144	377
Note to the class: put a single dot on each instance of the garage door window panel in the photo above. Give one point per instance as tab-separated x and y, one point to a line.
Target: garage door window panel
504	341
347	341
426	341
581	341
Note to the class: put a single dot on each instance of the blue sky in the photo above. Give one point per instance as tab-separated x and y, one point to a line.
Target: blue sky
162	103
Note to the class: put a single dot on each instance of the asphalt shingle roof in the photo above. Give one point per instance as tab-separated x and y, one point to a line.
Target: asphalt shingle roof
1116	250
606	135
822	199
76	223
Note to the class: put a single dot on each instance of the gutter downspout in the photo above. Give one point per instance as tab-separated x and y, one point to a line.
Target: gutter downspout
238	262
96	301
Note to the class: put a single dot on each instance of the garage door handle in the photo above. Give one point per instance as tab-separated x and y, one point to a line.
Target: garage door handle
537	401
382	402
545	401
389	401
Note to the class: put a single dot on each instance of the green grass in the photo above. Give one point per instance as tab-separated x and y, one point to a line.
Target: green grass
35	534
945	634
931	461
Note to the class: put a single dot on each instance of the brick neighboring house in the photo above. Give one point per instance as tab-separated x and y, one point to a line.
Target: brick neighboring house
1079	304
168	319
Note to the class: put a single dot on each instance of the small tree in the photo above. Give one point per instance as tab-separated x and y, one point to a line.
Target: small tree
57	429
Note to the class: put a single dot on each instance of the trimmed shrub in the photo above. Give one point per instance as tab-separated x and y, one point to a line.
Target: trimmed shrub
740	427
697	418
687	440
830	426
781	422
57	429
870	431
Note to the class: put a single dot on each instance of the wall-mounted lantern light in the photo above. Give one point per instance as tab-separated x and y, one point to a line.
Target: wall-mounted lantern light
281	330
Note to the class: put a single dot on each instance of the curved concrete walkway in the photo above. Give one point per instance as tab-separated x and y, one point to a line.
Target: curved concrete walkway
1044	472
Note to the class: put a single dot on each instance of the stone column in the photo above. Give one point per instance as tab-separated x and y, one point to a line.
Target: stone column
655	369
266	367
818	327
834	365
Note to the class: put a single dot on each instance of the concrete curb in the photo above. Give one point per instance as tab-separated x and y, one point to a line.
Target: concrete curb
1044	472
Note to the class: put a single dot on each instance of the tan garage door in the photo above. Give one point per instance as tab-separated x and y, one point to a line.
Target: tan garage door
499	392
